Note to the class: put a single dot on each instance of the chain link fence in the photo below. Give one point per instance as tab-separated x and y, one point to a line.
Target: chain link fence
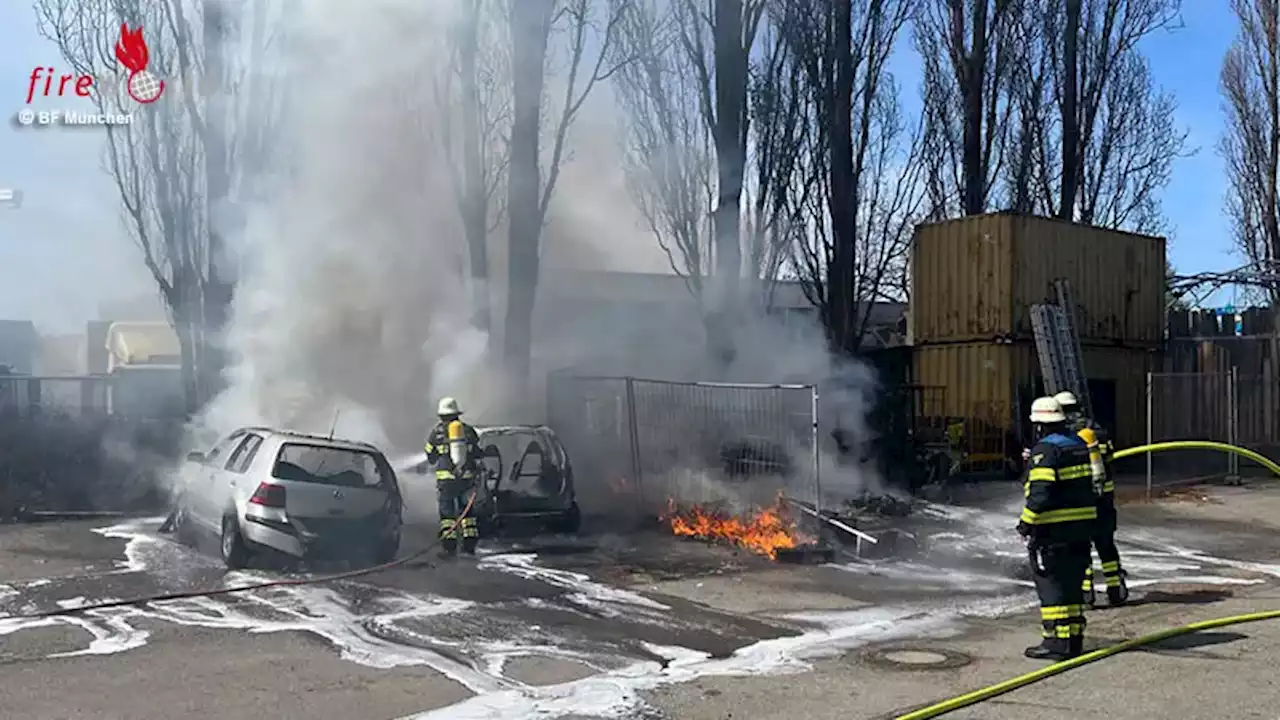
638	444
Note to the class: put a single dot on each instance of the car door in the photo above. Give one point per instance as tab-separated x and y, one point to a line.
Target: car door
202	491
234	483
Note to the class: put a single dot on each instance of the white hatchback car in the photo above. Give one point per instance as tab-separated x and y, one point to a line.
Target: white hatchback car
306	496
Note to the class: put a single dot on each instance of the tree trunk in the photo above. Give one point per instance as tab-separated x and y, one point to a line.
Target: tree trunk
730	92
842	270
189	347
216	298
530	26
1070	110
974	169
475	212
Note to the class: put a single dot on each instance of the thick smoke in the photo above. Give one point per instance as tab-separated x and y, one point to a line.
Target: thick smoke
352	307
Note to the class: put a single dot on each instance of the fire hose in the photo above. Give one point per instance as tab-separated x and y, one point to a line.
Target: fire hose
983	694
212	592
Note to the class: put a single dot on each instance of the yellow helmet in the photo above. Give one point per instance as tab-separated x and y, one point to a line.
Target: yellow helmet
1066	399
1046	410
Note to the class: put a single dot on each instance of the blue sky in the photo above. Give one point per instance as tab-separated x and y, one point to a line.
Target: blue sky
64	251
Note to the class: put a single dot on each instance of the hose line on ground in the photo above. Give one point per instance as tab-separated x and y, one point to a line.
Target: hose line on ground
991	691
283	582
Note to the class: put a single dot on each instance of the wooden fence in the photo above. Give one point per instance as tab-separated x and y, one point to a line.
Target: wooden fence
1219	379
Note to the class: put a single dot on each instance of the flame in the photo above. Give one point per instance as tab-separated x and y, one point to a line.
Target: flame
764	531
131	50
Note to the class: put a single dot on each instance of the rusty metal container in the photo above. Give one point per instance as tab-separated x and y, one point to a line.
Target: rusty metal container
991	386
975	278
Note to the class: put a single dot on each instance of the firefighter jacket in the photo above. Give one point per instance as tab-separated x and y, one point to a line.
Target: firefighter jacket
1060	506
438	456
1100	451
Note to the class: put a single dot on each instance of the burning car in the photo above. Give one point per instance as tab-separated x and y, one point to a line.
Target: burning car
528	482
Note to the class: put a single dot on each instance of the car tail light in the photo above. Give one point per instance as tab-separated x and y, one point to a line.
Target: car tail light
268	495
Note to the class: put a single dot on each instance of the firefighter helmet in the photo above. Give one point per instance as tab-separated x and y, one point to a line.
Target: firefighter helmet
1046	410
448	406
1066	399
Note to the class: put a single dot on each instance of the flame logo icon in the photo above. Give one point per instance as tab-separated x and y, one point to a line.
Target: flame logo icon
132	52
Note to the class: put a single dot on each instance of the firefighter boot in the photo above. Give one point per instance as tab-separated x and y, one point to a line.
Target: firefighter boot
1075	646
1118	595
448	547
1054	649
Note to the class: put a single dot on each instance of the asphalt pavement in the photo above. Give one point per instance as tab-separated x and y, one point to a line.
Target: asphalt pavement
632	625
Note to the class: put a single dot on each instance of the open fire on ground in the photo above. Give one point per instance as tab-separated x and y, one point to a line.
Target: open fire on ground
764	531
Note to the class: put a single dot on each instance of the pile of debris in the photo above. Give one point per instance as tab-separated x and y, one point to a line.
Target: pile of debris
886	506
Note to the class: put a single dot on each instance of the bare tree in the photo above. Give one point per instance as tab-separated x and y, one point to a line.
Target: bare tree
969	57
1250	144
160	160
474	100
1106	153
861	158
667	92
585	60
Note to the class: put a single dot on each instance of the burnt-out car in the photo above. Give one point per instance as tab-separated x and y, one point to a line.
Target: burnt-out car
528	482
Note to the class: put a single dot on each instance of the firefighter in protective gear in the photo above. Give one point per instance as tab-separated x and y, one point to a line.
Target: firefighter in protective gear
1104	539
1057	523
453	450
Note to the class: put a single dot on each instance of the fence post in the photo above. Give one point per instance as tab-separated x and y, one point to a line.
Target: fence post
1233	427
633	439
817	455
1149	433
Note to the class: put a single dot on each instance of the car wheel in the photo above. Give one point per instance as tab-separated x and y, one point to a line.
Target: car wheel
570	522
235	551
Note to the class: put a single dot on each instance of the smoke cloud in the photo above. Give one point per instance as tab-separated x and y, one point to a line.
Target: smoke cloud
352	309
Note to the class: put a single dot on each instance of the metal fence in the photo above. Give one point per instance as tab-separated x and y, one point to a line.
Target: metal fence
653	442
1223	406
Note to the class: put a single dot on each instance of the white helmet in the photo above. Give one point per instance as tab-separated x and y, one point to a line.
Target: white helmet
1066	399
1046	410
448	406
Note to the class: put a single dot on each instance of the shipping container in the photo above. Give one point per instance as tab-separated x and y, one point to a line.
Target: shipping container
975	278
992	385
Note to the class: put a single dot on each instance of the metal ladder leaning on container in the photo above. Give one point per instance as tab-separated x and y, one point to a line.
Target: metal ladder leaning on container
1058	346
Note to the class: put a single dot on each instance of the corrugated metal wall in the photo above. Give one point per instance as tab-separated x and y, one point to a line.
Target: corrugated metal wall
962	280
1117	277
993	384
973	280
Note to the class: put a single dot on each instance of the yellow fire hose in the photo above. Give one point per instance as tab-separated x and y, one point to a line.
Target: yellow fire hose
986	693
1199	445
991	691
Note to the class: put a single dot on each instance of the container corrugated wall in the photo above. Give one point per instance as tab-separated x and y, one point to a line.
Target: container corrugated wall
1118	279
992	385
973	280
962	280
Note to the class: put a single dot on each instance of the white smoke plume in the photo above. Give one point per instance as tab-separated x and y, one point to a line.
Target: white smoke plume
352	307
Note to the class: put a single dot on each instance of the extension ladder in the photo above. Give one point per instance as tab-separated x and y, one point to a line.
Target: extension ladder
1058	345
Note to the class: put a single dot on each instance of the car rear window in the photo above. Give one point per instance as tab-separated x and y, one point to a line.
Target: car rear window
328	466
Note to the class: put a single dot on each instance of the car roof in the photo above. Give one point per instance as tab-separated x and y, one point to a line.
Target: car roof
323	440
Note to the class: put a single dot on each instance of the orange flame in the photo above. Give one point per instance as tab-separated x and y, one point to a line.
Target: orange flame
765	531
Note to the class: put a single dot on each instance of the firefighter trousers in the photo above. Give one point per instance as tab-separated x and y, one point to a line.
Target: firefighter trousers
451	499
1104	541
1058	574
